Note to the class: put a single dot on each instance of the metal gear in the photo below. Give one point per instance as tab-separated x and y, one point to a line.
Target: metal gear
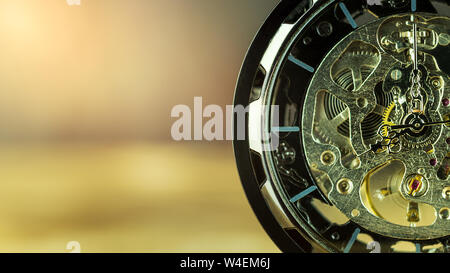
387	118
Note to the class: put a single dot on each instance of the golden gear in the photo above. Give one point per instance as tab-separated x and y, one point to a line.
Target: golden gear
386	118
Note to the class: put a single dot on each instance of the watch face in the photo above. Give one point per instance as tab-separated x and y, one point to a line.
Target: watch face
347	146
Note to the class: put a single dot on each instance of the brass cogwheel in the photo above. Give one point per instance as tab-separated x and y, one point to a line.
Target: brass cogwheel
386	118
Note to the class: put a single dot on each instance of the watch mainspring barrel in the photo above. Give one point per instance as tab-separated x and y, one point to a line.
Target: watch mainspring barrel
356	98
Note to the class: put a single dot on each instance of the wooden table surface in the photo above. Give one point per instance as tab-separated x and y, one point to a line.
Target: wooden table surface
127	197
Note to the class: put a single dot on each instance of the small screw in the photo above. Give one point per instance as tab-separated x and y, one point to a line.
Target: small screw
436	83
307	40
361	102
327	158
446	193
344	186
396	74
444	213
324	29
335	236
445	102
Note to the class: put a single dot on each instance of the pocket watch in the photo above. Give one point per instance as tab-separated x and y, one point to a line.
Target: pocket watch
346	127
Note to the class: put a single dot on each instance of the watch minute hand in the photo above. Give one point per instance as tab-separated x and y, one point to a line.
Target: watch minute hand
418	125
435	123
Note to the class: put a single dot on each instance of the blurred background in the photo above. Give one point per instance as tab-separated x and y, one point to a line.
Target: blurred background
85	148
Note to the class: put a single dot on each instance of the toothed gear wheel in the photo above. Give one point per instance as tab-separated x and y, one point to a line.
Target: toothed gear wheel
387	119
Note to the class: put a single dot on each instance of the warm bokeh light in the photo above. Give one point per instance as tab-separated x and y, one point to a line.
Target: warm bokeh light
85	147
113	69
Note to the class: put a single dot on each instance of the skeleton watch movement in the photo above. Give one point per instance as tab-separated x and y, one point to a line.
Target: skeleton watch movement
347	138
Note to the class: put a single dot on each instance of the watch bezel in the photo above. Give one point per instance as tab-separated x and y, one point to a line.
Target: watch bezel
242	148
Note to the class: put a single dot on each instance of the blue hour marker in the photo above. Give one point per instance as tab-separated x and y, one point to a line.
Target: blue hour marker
413	5
418	248
348	15
352	240
286	129
303	194
301	64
